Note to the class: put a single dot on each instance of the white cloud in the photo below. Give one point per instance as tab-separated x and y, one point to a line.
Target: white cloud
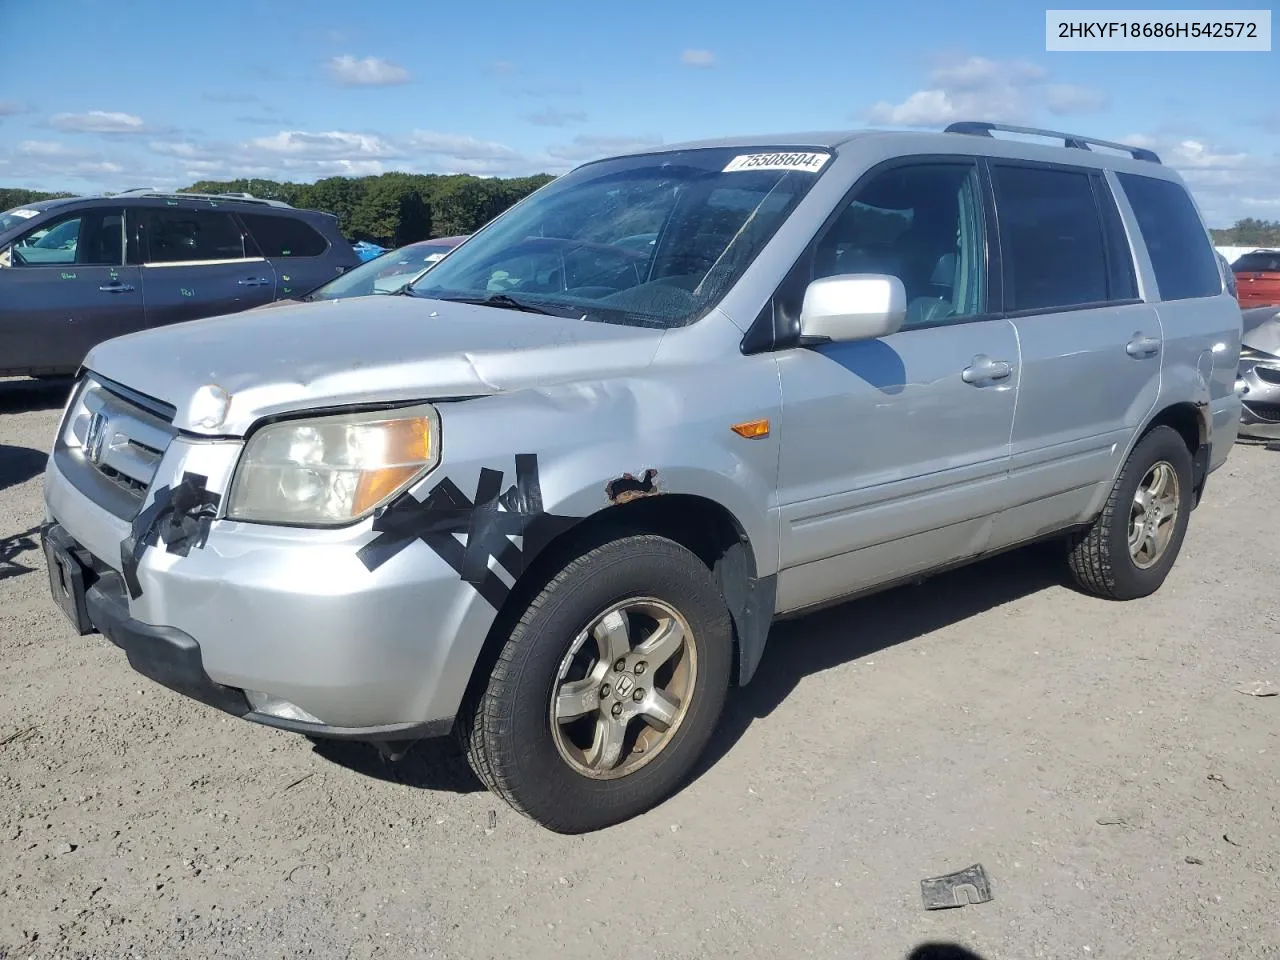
1228	184
369	72
307	155
551	117
334	143
698	58
1067	98
458	146
979	88
47	148
98	121
590	147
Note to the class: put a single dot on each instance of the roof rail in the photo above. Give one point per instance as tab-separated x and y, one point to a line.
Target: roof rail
152	192
1072	141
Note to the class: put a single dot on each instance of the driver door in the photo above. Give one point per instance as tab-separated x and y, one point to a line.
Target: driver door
67	290
895	452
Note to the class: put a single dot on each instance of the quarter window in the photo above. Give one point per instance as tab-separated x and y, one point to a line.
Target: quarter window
1182	255
1051	238
284	236
923	225
174	235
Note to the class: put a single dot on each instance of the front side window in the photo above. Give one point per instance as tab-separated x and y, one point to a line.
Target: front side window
653	240
1181	252
91	238
174	235
283	236
923	225
1051	238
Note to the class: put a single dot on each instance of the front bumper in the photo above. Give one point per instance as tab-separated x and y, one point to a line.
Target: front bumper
173	659
260	616
1260	398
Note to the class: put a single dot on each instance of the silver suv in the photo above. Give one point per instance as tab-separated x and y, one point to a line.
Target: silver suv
552	498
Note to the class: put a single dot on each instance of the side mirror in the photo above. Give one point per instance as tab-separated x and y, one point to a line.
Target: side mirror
861	306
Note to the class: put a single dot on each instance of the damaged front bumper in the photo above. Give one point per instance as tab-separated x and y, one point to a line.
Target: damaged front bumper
281	626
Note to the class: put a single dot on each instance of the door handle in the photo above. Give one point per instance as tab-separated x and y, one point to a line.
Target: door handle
115	286
984	370
1141	346
253	282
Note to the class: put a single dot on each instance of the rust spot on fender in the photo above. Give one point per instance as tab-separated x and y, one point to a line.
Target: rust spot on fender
629	487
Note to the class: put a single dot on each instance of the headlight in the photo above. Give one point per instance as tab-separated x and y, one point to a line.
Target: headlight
328	471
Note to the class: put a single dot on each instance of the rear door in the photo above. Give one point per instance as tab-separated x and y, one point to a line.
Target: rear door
67	289
198	262
299	252
1090	347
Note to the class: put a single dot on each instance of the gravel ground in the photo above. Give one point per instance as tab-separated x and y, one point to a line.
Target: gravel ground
1095	757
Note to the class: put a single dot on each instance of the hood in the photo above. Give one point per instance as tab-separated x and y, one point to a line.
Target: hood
299	356
1262	329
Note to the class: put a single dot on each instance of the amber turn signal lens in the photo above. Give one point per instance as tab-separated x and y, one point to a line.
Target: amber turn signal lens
405	447
752	429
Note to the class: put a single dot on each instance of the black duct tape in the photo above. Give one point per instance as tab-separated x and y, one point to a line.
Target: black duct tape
487	522
179	517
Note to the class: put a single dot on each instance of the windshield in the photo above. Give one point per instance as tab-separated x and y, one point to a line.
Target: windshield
18	216
652	240
386	273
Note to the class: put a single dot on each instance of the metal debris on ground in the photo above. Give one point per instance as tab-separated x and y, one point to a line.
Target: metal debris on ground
1217	779
1230	841
958	889
1259	688
493	819
1195	861
1112	822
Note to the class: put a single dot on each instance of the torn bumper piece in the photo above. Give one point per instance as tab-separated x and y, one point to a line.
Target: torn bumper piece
172	658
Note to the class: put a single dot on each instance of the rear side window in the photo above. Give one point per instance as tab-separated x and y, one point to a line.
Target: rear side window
284	236
174	235
1257	263
1181	254
1051	238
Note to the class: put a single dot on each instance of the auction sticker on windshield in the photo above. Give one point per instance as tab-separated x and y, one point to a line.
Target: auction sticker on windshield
24	214
804	162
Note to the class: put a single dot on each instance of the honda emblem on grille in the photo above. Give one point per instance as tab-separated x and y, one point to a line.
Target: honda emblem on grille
96	437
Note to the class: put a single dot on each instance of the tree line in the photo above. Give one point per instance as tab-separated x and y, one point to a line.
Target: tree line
397	208
391	209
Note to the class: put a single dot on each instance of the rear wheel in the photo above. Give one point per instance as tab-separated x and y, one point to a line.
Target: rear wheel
607	689
1129	549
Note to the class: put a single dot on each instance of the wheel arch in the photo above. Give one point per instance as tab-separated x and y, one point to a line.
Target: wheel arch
707	528
1192	422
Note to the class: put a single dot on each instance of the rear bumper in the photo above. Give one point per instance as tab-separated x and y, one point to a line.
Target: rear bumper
173	659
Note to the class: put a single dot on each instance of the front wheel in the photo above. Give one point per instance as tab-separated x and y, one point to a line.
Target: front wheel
607	689
1129	549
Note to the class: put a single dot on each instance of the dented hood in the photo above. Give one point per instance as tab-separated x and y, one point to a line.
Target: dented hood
360	350
1262	329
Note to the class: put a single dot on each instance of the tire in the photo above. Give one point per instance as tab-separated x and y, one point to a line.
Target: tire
538	765
1100	557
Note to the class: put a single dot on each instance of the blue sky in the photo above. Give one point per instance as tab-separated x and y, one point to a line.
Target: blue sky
107	94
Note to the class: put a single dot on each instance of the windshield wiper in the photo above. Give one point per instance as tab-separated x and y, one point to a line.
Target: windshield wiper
505	301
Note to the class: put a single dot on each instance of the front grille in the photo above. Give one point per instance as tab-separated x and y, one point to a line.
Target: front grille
1267	374
111	445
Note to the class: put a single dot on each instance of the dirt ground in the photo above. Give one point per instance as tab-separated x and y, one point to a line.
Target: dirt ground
1096	758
